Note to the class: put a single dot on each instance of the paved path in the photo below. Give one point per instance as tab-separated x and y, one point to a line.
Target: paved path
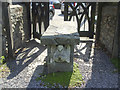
94	65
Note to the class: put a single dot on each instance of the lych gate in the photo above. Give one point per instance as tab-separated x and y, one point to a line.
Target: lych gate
40	9
84	12
38	19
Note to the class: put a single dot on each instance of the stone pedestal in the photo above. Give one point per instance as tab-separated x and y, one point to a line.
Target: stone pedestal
60	43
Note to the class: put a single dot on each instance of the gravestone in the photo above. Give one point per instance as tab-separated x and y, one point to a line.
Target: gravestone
60	43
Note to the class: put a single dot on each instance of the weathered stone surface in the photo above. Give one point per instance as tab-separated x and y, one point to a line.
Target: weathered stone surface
0	29
60	53
108	26
60	42
20	31
60	61
59	35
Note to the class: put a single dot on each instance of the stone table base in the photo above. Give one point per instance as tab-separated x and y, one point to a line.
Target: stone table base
60	58
60	43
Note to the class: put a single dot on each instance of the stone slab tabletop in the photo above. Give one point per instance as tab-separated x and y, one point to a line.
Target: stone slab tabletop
60	35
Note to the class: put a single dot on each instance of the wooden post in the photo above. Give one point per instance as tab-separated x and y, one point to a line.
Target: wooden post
46	15
99	16
7	23
34	18
66	12
92	19
116	47
27	4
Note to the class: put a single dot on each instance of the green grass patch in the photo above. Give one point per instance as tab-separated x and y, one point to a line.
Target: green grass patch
69	79
4	70
116	63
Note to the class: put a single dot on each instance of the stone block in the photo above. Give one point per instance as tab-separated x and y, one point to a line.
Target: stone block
60	35
60	42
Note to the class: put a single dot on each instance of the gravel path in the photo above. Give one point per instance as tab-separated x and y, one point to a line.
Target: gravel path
94	65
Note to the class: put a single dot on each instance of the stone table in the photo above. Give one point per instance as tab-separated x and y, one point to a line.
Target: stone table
60	43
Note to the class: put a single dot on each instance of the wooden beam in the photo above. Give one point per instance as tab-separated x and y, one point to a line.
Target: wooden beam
66	11
99	17
34	18
93	9
46	15
27	4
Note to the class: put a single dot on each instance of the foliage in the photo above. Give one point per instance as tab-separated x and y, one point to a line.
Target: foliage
116	63
4	70
69	79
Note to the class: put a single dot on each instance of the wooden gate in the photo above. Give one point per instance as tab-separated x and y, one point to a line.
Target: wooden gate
40	18
85	17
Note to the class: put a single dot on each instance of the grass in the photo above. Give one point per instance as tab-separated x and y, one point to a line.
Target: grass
4	70
69	79
116	63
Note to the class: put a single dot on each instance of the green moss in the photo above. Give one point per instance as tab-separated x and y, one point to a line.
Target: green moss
116	63
69	79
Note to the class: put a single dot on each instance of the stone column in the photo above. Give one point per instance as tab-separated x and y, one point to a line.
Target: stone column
0	29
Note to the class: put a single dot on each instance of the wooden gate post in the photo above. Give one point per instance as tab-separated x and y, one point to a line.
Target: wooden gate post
99	16
34	19
93	9
46	14
27	4
66	12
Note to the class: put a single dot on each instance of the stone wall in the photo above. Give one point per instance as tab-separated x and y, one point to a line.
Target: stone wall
108	26
18	18
0	29
18	15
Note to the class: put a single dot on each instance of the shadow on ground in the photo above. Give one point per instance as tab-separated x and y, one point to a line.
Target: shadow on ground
95	66
102	74
83	51
26	55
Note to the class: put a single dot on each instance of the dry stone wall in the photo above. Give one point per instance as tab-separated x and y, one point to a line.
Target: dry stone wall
18	17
